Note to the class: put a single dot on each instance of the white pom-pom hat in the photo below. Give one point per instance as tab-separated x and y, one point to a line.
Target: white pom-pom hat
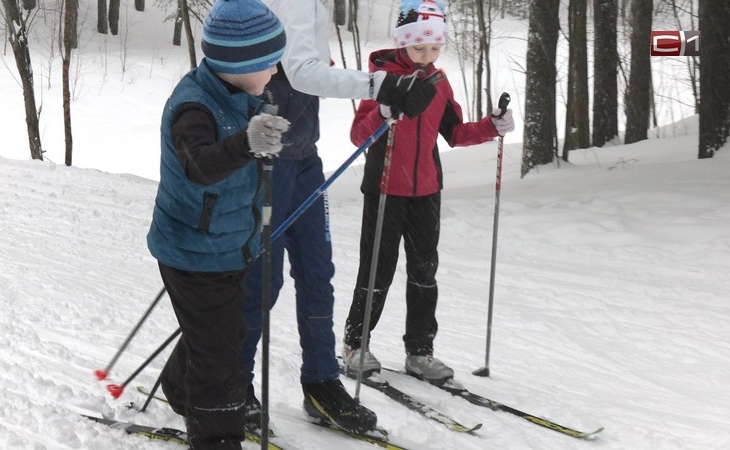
420	22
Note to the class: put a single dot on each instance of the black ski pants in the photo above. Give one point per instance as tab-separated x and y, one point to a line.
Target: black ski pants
417	221
204	378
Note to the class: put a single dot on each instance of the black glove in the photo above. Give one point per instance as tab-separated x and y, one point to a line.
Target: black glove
408	94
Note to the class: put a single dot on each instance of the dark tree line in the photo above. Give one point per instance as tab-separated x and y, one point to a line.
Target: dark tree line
540	138
712	97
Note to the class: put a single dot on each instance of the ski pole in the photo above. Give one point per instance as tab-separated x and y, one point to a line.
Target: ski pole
152	393
374	261
433	79
116	390
275	235
102	374
504	100
268	166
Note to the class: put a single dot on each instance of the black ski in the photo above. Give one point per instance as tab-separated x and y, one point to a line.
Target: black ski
412	404
378	437
254	431
460	391
165	433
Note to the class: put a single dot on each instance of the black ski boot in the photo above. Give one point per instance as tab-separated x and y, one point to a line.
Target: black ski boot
252	410
329	401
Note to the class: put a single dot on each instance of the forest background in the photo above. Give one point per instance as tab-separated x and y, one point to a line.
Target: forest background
567	97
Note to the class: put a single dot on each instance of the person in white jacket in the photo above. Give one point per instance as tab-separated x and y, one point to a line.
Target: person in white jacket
305	74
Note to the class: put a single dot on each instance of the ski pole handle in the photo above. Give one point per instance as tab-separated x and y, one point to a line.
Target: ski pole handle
504	100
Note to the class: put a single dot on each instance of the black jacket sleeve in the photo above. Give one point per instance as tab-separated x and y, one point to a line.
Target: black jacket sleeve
205	159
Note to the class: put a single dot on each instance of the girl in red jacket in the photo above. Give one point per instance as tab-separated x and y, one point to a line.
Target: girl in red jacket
413	189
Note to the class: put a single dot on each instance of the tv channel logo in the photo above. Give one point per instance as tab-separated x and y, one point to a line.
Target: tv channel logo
675	43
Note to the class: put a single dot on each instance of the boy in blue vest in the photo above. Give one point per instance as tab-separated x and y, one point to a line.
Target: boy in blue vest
205	229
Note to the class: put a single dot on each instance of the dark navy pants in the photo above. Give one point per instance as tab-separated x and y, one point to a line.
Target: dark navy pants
308	246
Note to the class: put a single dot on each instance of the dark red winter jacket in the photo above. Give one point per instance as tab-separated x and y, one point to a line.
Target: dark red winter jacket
415	168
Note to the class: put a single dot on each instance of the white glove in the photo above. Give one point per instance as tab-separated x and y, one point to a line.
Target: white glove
264	135
385	112
503	124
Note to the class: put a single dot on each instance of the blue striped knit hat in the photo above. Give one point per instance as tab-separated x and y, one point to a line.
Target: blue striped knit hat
242	36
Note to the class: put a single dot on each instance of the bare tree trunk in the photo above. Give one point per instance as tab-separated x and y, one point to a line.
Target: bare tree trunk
693	65
638	92
483	63
102	25
72	23
340	13
18	36
540	126
339	18
605	72
353	28
68	40
188	33
714	67
479	73
177	31
114	16
487	52
577	128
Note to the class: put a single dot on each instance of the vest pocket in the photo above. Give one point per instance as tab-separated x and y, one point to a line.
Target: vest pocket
206	215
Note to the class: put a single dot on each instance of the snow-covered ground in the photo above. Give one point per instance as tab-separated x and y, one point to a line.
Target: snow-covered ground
610	307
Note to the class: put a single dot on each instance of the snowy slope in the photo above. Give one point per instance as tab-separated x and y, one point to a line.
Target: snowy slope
610	304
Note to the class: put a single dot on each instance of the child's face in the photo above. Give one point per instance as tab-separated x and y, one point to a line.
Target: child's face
252	83
424	54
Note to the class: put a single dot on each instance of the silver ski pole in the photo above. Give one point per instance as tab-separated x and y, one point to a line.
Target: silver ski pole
504	100
374	261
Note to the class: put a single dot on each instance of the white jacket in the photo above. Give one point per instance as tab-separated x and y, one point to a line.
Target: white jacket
306	59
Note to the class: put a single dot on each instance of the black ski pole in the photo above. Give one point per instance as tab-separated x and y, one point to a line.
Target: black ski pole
151	395
116	390
102	374
504	100
374	261
268	166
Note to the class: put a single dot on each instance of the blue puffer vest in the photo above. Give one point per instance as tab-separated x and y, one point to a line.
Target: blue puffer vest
212	228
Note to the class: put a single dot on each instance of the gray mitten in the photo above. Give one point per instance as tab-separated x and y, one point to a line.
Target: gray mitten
264	135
